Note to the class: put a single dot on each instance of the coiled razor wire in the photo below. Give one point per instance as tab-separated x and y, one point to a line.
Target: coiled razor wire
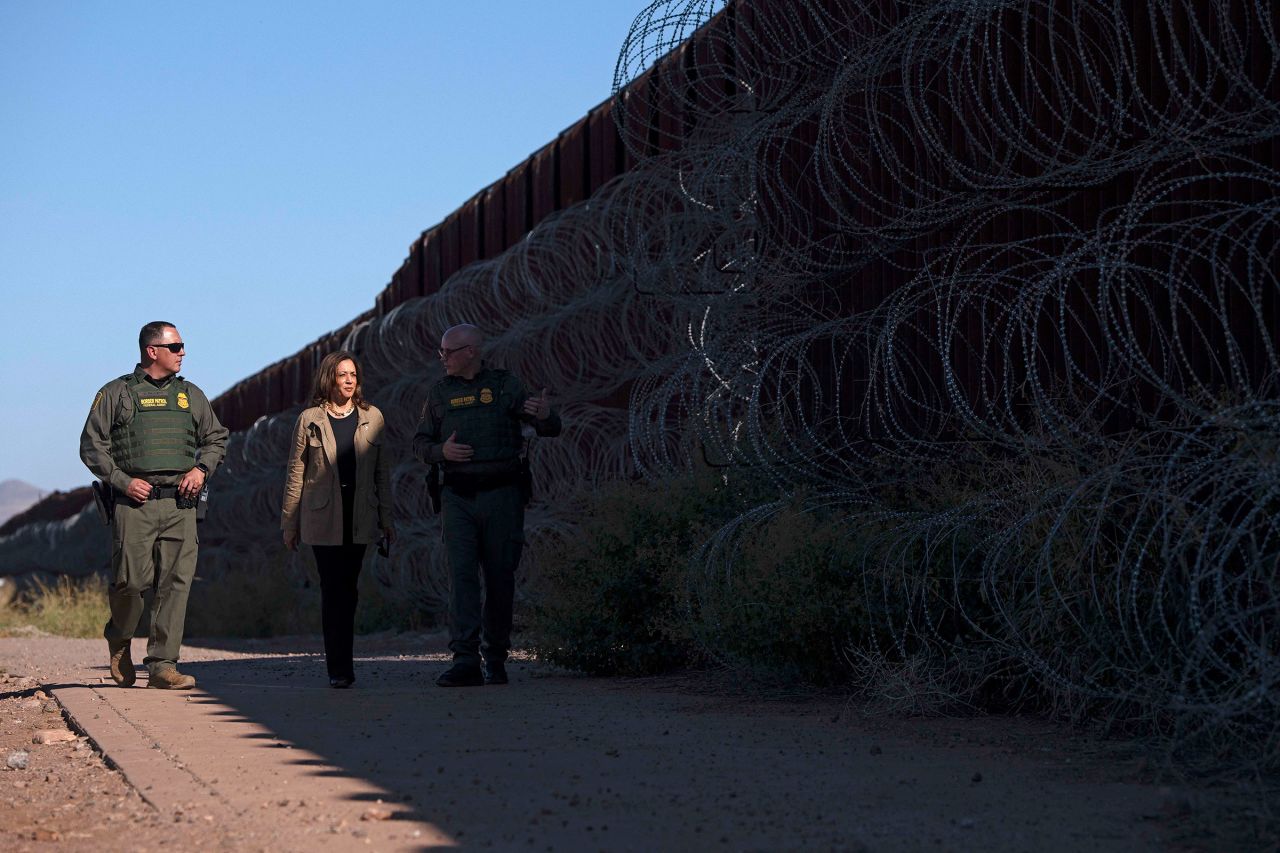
989	286
1032	246
555	295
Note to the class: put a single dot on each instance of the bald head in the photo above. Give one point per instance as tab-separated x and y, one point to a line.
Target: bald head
460	350
462	334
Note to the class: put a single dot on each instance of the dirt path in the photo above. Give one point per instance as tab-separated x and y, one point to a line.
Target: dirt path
263	755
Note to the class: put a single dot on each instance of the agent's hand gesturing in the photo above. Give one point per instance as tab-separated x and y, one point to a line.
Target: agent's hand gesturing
454	451
539	406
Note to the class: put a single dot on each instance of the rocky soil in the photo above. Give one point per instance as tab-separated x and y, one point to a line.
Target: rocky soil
58	793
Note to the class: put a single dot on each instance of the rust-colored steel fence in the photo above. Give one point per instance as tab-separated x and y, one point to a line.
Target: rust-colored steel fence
583	158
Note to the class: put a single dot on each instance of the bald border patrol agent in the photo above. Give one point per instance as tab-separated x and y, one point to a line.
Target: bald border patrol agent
472	429
152	440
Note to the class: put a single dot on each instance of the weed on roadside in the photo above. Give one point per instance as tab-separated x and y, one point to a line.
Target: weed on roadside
65	607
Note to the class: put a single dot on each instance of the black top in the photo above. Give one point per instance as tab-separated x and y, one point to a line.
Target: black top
344	436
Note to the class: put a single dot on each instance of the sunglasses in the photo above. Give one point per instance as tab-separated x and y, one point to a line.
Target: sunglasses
173	348
445	353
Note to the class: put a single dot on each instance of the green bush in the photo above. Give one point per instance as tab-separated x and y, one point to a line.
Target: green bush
786	603
808	591
610	600
633	593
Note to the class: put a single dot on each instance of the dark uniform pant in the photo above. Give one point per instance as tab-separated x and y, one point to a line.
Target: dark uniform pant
483	532
153	545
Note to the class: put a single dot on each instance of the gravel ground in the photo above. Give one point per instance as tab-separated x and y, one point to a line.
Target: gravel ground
63	795
574	763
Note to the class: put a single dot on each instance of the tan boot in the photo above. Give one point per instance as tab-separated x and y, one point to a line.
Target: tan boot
122	672
168	678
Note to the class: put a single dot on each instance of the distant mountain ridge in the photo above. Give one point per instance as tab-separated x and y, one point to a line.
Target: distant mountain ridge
16	496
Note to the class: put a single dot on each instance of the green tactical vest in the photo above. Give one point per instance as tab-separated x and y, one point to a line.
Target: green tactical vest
480	412
161	436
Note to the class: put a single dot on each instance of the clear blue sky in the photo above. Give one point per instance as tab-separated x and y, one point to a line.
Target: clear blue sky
253	172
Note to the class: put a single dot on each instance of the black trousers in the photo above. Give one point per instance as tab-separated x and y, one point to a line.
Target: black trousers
339	567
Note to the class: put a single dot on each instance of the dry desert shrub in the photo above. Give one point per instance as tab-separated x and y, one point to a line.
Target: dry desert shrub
63	606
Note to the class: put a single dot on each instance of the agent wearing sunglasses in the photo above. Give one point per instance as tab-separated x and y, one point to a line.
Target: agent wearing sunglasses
471	428
152	439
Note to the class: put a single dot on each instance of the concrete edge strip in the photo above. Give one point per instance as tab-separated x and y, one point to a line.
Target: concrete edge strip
155	774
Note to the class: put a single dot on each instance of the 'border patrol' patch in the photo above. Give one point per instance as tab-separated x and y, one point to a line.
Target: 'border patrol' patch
182	400
486	396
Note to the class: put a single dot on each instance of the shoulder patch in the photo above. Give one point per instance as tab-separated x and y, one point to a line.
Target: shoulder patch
96	400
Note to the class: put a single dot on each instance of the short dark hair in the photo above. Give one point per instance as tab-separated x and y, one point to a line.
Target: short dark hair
151	333
326	376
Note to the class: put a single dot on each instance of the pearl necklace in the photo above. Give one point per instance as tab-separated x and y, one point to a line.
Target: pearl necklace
335	413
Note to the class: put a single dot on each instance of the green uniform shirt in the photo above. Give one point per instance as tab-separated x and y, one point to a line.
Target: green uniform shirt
114	405
493	393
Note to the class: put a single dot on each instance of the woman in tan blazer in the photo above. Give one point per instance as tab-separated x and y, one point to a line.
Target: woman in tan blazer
337	497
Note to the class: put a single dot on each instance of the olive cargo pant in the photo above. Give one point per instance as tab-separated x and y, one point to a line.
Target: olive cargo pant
153	544
483	531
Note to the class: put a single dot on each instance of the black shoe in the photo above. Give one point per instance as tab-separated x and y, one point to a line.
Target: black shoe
461	675
341	683
495	673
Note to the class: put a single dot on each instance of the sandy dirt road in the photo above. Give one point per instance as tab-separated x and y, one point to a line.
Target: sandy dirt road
264	755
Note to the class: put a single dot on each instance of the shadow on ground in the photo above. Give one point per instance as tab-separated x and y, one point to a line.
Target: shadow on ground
554	761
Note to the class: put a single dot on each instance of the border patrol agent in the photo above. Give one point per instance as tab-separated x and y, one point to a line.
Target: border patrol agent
153	440
471	428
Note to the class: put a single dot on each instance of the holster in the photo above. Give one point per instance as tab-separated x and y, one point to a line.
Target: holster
202	503
104	498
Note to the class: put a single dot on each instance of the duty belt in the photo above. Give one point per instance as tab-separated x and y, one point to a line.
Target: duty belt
468	484
161	492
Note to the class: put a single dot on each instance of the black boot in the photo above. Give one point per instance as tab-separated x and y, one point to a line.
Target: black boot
461	675
495	672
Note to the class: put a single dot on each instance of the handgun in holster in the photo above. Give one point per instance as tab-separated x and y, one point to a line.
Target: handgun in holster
201	501
104	498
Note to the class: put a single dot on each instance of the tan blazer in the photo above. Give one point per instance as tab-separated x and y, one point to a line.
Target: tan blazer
312	495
